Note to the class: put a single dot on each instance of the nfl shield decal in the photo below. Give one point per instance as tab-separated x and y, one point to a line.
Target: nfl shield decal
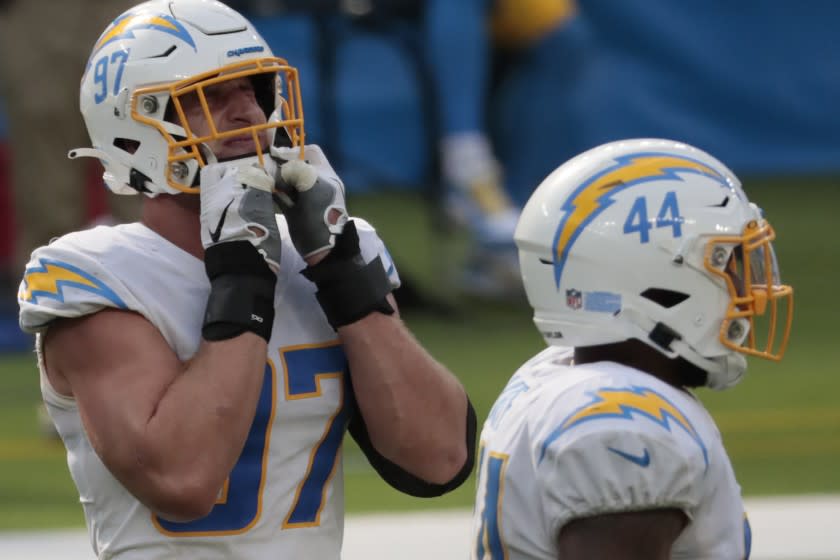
574	299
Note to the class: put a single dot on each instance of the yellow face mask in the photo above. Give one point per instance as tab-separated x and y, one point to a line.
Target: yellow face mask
760	312
288	118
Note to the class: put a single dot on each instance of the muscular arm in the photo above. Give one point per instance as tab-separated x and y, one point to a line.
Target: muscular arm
640	535
169	431
414	408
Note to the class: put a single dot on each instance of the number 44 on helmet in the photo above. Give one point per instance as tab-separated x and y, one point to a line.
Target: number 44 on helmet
654	240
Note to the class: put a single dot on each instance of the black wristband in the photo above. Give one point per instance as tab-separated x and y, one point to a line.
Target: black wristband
348	288
241	292
236	257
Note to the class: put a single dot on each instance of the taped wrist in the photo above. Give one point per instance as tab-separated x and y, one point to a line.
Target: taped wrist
348	288
241	292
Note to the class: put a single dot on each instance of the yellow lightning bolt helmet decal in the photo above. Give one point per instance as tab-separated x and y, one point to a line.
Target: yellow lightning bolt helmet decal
124	27
50	278
593	196
628	403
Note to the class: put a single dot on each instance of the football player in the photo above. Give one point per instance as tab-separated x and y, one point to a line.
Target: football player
197	364
650	273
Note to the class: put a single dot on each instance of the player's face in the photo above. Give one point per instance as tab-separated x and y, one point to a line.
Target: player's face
232	105
735	271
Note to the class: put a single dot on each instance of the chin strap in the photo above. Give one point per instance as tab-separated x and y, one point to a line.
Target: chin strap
723	371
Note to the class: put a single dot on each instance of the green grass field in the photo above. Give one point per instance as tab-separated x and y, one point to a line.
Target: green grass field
781	425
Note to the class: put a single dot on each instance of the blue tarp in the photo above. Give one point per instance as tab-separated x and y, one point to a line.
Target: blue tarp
754	82
379	95
365	105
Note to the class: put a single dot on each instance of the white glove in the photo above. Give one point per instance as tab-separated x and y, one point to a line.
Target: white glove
237	205
311	197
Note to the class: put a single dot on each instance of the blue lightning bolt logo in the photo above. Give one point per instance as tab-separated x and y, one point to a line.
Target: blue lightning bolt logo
628	403
50	278
596	194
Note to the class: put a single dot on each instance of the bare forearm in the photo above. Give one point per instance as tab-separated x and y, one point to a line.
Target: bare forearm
196	433
170	432
414	408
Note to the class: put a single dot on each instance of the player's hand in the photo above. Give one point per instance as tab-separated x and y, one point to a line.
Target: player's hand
311	196
236	205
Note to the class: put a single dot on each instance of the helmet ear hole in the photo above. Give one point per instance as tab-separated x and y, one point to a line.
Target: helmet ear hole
127	145
663	297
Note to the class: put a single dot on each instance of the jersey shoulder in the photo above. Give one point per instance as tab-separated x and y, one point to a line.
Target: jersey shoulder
525	387
83	272
610	438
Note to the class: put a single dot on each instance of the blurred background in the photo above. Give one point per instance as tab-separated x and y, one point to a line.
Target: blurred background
442	116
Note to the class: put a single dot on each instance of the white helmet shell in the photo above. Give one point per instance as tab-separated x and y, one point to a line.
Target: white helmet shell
648	239
140	66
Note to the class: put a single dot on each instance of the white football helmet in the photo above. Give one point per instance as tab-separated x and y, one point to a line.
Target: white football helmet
140	69
654	240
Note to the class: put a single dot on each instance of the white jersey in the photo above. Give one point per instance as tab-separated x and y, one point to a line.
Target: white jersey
564	442
285	496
